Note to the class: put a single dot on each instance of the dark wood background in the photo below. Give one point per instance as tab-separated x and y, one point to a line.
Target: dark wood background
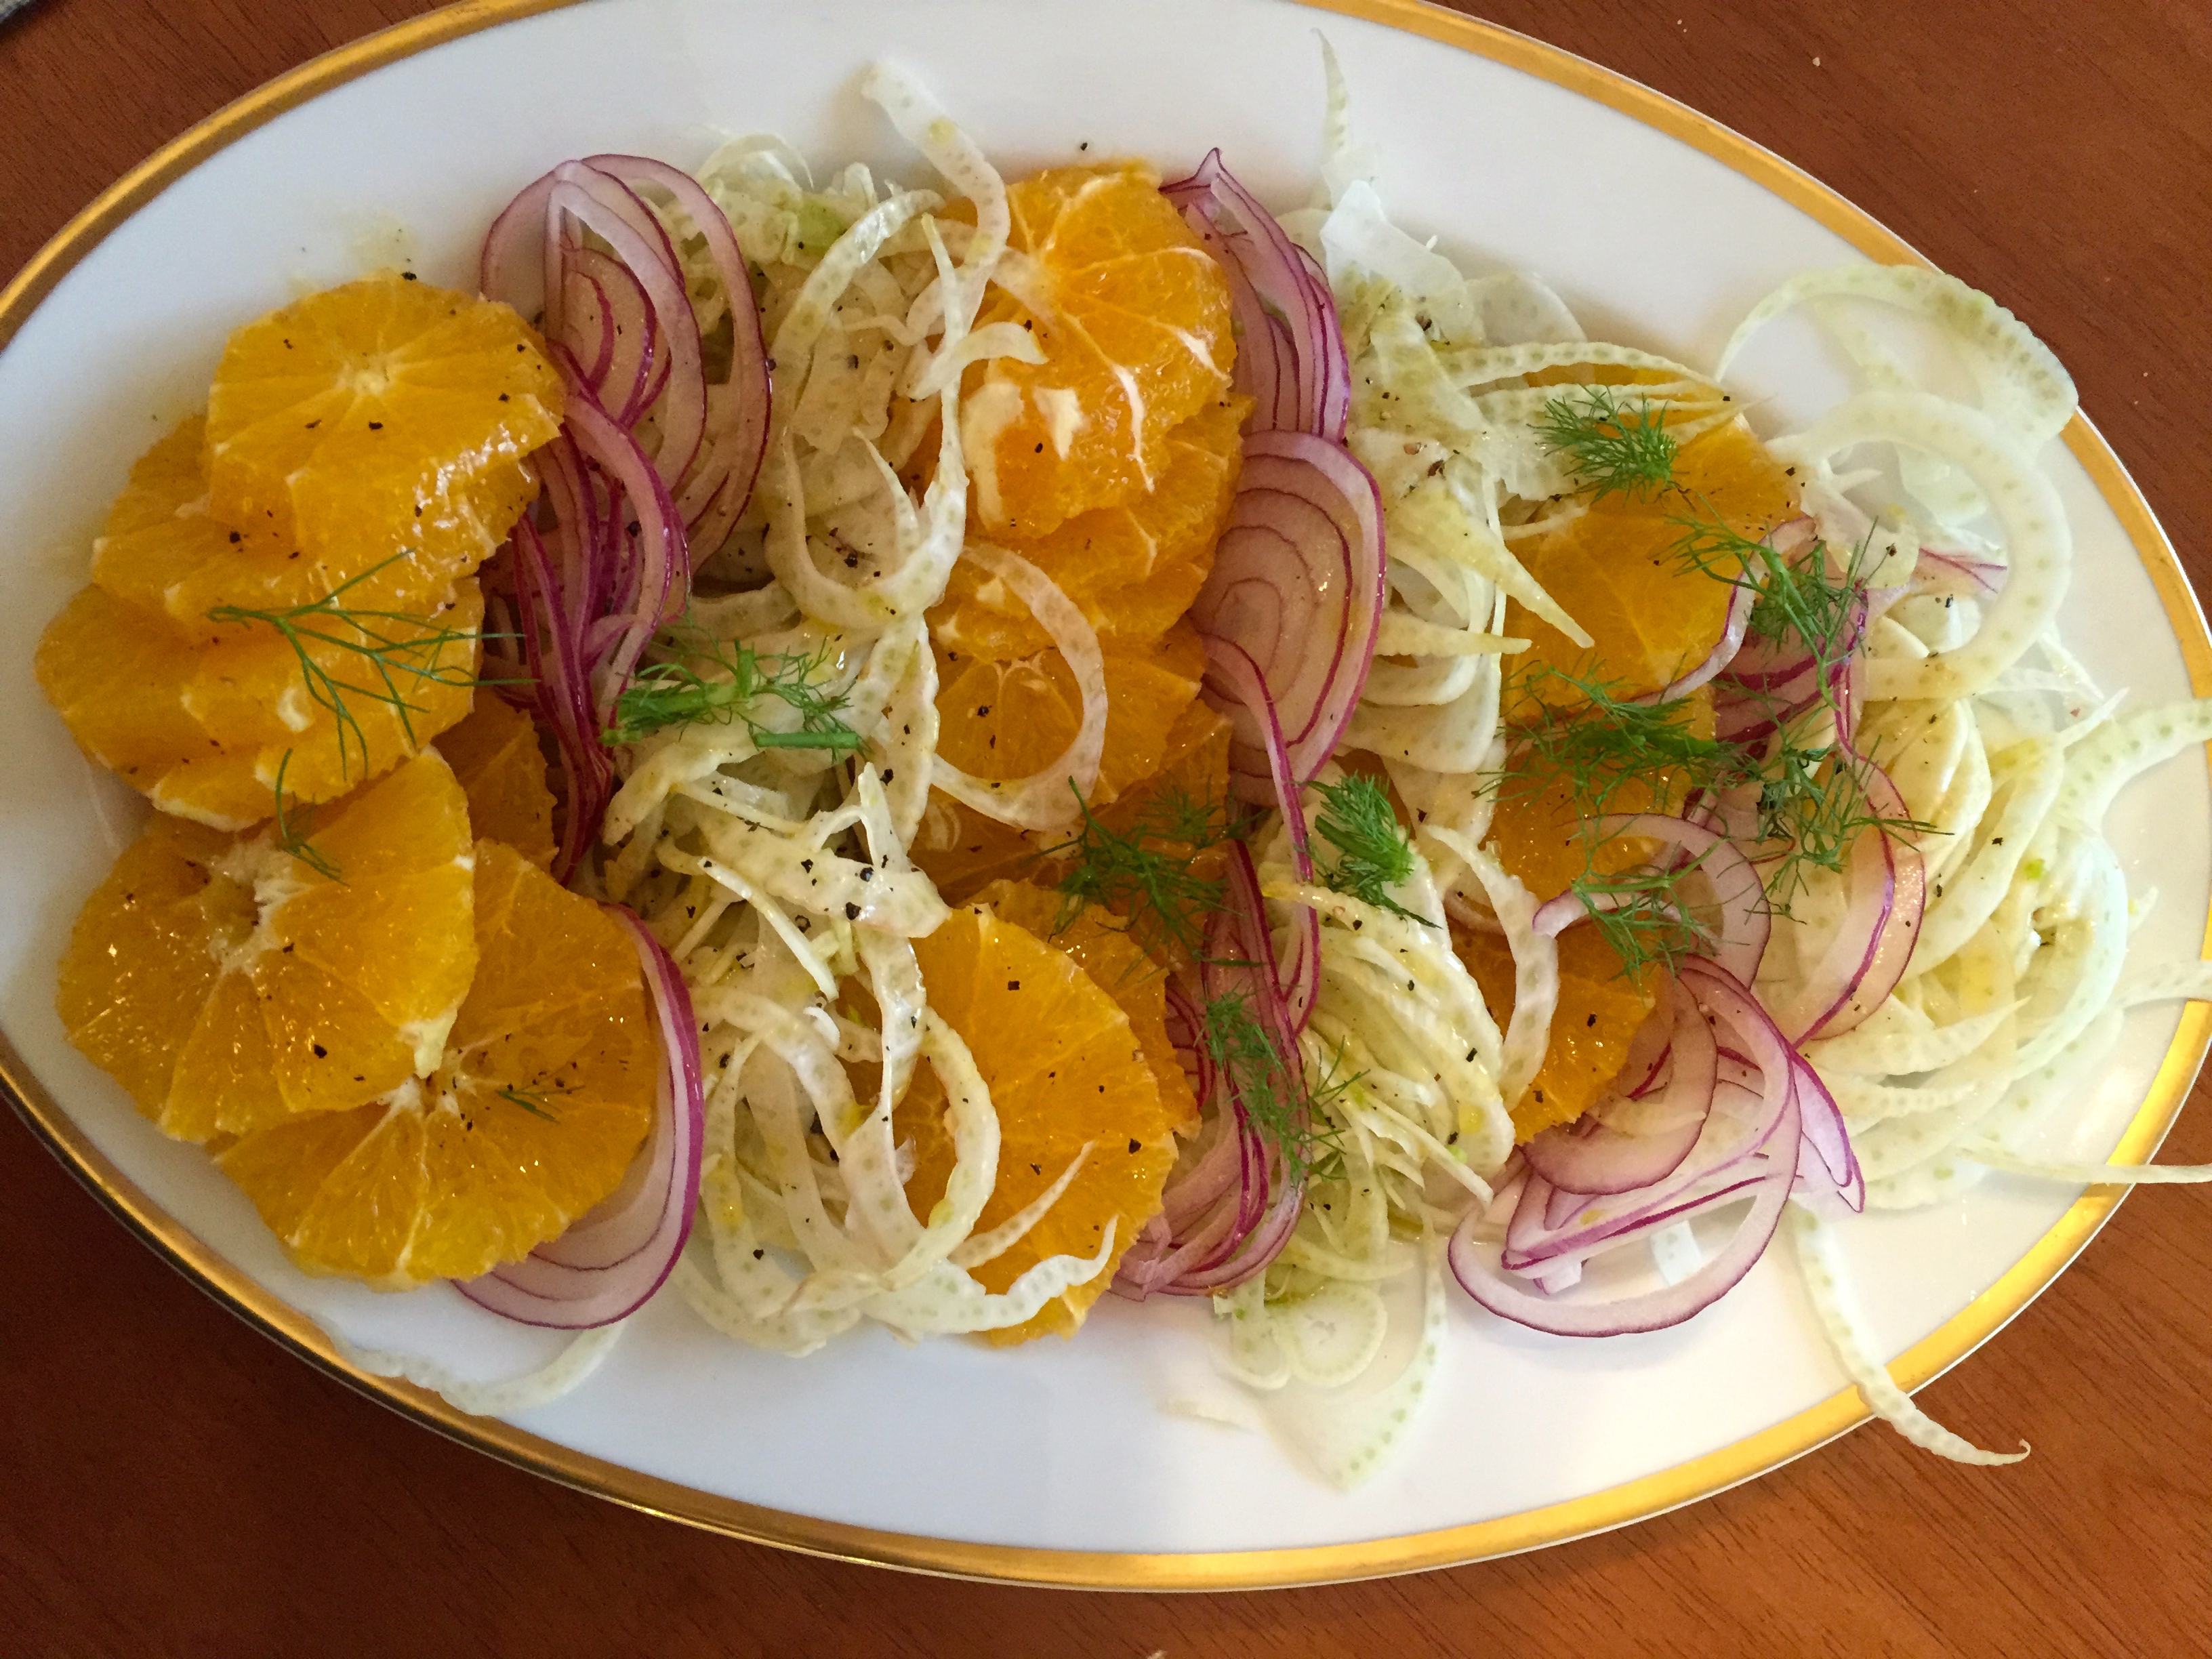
172	1483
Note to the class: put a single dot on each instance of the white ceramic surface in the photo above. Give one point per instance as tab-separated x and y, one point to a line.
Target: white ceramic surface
1088	1445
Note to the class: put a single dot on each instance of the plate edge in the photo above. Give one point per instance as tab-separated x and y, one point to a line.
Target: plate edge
1560	1522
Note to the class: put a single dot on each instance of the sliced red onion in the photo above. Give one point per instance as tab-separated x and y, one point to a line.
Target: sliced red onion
1186	1027
610	563
1298	583
1492	1287
1886	889
1747	1099
1594	1156
1746	920
1740	600
1826	1138
1290	356
713	492
1240	679
1957	573
1228	1216
613	1259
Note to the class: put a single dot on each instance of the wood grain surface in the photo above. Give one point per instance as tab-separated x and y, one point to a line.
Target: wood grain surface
170	1482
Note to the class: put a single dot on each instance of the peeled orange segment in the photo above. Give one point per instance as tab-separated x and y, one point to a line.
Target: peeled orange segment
495	758
960	850
1193	774
116	674
160	544
1600	1008
420	681
1133	570
203	728
1133	323
1006	720
384	421
162	550
544	1095
147	953
226	984
1546	839
1100	945
1617	571
1065	1071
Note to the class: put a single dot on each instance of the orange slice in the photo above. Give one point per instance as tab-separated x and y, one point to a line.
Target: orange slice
228	985
1065	1070
202	726
1539	828
1132	317
378	426
1100	945
1615	570
1599	1010
496	760
543	1096
1006	720
1132	569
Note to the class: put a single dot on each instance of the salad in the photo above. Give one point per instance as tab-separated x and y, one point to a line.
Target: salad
863	754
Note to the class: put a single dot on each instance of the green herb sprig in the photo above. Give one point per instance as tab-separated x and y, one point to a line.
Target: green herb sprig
292	839
1617	449
401	649
676	692
1643	915
1372	852
1143	873
535	1100
1598	745
1275	1097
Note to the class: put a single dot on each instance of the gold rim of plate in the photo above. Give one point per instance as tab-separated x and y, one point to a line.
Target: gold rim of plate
1553	1523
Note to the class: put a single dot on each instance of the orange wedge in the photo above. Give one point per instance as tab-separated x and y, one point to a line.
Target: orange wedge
1132	569
1615	570
378	430
1006	720
1600	1009
202	726
501	770
1065	1071
1133	323
1100	945
228	985
543	1097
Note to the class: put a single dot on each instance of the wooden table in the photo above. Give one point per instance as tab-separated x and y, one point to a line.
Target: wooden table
171	1482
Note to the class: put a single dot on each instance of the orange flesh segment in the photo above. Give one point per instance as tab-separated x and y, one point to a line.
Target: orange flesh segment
1007	721
226	985
1102	947
1065	1068
1615	570
1600	1009
455	1176
384	420
1136	341
496	761
1132	569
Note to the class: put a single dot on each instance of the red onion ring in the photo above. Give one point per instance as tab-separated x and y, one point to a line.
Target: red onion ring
1240	678
1725	650
1298	581
1886	884
1490	1284
1589	1156
1746	920
1290	356
613	1259
1957	573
